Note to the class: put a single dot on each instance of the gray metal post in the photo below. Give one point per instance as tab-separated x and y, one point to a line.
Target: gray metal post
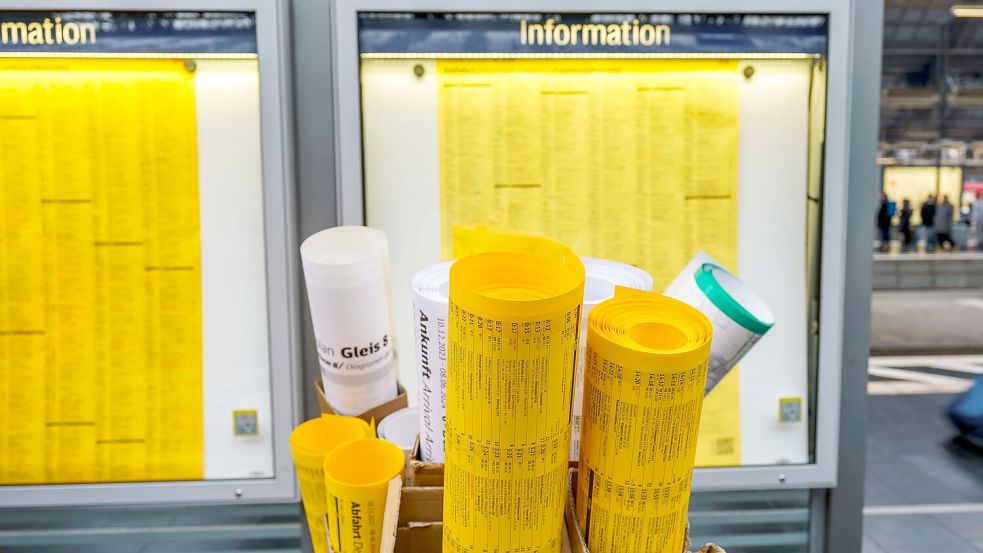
315	150
315	162
844	506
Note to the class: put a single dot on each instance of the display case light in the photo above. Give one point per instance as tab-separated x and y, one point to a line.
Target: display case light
589	55
967	10
135	55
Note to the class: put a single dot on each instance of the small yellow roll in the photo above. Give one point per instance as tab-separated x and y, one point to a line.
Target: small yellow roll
310	443
645	369
356	477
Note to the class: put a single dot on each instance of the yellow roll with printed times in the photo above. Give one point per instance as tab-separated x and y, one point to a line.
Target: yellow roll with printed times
356	477
645	369
513	324
310	443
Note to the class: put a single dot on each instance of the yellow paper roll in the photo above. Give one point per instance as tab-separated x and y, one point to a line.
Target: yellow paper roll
356	477
513	323
645	369
310	443
471	240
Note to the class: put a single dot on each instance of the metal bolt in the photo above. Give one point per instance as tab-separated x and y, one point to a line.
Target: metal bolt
190	66
748	71
238	493
781	478
418	70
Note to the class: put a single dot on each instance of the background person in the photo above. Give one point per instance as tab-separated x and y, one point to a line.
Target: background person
884	223
976	221
905	224
928	222
943	223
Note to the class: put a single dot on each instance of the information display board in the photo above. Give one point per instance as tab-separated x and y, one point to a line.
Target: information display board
634	136
137	342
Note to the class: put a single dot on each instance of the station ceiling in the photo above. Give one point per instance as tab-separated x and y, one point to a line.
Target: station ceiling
932	78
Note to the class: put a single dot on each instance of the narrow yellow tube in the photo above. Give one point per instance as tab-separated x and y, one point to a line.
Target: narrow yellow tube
310	443
356	478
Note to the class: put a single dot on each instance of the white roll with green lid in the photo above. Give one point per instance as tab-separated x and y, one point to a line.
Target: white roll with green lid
739	316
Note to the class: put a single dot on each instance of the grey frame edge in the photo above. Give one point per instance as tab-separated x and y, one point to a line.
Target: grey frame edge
272	36
821	473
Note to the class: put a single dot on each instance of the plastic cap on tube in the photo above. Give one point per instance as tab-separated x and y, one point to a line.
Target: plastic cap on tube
433	282
734	298
401	428
603	275
344	256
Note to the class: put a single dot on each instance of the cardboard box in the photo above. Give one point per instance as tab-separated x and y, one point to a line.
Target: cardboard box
420	529
422	473
378	412
577	543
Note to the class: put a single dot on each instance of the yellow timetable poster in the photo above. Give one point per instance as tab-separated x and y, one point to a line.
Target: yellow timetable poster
633	160
100	286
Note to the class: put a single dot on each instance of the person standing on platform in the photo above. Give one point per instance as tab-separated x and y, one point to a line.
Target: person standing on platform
905	224
943	223
976	220
884	223
928	222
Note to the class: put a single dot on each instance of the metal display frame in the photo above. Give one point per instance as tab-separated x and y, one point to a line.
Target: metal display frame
822	472
283	307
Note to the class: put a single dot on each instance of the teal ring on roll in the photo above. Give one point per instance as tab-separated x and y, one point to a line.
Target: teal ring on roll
725	302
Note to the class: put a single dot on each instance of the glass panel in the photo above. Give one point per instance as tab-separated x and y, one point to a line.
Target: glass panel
184	529
641	138
751	522
133	326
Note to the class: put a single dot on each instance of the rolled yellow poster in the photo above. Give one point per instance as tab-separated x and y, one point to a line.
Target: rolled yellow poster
310	443
356	478
513	323
645	369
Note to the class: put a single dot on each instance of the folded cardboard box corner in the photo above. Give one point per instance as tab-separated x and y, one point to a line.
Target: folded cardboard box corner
376	413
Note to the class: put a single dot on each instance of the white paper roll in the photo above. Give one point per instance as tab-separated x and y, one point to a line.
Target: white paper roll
346	269
401	428
738	315
430	288
602	276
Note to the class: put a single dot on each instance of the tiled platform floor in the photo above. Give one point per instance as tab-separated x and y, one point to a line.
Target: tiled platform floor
923	492
927	322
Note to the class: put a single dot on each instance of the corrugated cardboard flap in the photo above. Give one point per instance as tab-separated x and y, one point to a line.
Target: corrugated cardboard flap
377	413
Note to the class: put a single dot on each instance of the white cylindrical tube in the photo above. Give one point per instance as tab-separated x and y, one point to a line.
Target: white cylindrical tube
739	316
346	270
602	276
401	428
430	289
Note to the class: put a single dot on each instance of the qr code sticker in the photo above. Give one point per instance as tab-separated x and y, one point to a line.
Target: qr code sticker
725	446
245	423
790	409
